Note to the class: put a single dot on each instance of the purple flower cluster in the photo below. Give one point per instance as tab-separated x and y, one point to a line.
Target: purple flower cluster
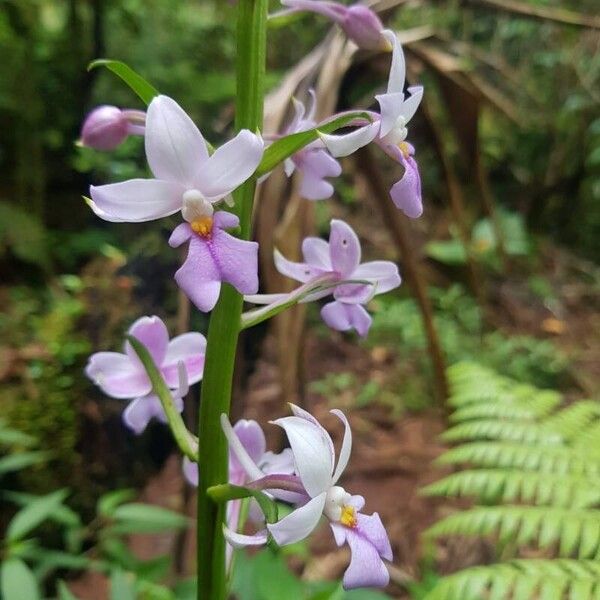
194	181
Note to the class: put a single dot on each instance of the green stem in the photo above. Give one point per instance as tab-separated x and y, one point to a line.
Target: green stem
223	330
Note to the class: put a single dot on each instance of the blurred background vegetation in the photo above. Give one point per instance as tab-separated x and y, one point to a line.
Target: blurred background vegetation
70	284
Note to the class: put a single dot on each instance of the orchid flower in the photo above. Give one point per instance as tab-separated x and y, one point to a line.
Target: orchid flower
252	438
190	180
122	375
358	22
318	475
388	130
340	258
106	127
186	177
314	161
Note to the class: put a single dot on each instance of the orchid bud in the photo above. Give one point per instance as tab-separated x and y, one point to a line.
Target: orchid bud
364	28
106	127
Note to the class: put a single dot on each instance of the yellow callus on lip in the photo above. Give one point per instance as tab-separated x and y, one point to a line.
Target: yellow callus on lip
404	149
348	517
202	226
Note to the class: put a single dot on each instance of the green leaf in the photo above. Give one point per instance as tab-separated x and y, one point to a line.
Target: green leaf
145	518
29	517
64	593
108	502
122	586
13	437
450	252
284	147
186	589
136	82
17	581
16	462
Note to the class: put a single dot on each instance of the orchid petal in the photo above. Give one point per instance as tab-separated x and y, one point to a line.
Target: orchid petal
175	148
225	220
239	540
383	273
406	193
344	248
371	527
304	414
300	523
343	317
390	106
153	334
238	450
181	234
346	446
339	533
316	253
353	293
140	411
236	260
117	376
299	271
410	105
348	143
136	200
315	188
230	165
331	10
251	436
398	67
289	166
199	276
366	568
190	471
312	453
189	348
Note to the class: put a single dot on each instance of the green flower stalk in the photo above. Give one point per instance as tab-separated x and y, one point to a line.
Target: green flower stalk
224	325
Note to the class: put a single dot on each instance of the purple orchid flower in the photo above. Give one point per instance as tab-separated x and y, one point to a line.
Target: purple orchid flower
106	127
340	258
214	256
358	22
314	161
190	180
186	177
388	130
252	438
318	474
123	375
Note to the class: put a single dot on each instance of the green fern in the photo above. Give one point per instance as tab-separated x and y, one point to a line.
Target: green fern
509	455
497	485
523	580
574	531
518	448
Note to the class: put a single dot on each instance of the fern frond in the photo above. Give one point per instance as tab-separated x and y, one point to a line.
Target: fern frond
537	406
472	383
508	430
575	419
532	579
574	531
588	439
496	485
508	455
